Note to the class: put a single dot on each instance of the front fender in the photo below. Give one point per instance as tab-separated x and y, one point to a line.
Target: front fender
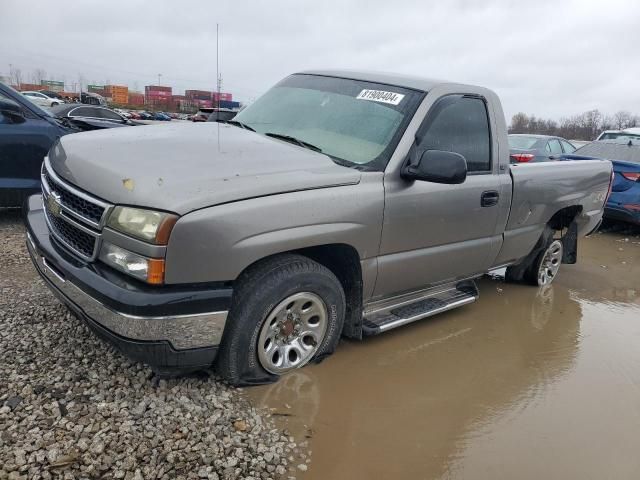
218	243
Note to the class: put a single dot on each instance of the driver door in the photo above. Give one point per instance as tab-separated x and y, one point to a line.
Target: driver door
436	233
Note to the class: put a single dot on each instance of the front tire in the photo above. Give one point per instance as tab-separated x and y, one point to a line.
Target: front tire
286	311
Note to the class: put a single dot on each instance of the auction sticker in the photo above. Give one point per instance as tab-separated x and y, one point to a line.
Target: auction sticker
380	96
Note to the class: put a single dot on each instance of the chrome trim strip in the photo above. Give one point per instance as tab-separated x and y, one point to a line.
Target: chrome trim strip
182	331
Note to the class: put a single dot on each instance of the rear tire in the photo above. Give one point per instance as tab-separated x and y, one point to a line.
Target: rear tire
545	258
267	333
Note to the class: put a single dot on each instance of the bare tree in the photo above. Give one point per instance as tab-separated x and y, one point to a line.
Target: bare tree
16	77
622	119
38	76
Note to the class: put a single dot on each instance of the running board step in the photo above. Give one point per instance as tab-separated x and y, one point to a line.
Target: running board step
388	317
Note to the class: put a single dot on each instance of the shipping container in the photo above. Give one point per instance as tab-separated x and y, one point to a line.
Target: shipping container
223	96
52	85
30	87
229	104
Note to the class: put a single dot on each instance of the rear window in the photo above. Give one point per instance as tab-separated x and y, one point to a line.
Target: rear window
619	136
522	142
611	151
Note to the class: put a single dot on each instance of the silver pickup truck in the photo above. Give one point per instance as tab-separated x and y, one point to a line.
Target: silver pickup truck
338	204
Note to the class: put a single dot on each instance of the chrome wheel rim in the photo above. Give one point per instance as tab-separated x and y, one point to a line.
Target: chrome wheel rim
550	263
292	333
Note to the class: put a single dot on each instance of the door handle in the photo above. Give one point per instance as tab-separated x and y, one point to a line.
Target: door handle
489	198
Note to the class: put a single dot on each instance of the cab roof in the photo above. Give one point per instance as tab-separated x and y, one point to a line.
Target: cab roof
407	81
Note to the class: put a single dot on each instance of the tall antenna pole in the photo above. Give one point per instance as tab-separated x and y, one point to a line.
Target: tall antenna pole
217	70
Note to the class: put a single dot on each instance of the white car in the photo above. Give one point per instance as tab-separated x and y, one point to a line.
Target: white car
41	99
626	134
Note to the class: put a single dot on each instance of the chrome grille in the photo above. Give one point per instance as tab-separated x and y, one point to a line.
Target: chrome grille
74	218
71	236
73	202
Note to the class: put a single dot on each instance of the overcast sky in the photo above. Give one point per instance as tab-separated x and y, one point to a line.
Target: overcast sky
549	58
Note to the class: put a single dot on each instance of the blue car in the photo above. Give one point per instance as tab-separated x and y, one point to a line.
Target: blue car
624	201
162	116
26	134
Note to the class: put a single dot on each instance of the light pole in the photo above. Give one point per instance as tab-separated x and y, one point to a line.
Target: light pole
159	76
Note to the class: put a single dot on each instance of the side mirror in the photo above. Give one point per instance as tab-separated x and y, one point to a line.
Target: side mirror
11	110
438	166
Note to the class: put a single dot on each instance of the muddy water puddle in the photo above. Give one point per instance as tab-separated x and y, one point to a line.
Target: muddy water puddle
524	384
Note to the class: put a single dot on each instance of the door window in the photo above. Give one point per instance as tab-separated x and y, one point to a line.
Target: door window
459	124
83	112
567	147
554	147
108	114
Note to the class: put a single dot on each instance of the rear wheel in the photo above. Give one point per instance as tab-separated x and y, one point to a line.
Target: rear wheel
541	266
546	265
286	311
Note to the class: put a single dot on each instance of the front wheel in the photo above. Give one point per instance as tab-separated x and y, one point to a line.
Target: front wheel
286	311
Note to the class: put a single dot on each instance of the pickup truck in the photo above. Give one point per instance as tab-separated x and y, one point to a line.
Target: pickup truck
339	204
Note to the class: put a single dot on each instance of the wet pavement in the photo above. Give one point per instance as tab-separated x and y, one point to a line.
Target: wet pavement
524	384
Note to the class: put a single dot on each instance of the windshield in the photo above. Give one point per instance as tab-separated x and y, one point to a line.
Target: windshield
619	136
17	94
522	142
350	120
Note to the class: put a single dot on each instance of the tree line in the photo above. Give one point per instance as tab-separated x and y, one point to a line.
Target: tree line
585	126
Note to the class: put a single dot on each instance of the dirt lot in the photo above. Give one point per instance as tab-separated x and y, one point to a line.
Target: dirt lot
525	384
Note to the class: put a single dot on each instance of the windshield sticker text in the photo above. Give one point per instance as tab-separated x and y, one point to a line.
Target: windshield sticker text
380	96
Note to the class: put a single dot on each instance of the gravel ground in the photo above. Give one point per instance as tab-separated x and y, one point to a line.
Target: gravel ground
71	406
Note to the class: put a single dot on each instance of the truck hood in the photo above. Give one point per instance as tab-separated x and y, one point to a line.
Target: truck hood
185	166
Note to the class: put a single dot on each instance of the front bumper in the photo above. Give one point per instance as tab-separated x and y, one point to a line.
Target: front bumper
172	328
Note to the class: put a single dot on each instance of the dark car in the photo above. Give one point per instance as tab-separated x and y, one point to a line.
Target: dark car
92	99
524	148
26	134
90	117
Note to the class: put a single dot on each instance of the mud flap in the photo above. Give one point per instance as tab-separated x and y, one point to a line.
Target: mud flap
570	244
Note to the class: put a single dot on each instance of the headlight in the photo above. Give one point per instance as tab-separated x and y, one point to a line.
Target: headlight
148	225
150	270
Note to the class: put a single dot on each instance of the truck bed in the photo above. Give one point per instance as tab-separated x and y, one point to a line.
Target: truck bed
542	189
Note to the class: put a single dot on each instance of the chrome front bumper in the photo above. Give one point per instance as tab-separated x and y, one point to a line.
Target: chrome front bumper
181	331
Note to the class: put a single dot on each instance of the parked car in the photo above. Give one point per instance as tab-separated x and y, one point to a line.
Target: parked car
26	134
624	202
526	148
625	134
52	94
41	99
161	116
90	117
221	115
338	203
133	115
92	99
202	115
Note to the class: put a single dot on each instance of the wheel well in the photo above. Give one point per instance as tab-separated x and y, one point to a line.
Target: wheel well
344	261
564	217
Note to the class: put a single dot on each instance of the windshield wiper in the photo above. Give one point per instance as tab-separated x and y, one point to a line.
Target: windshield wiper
237	124
297	141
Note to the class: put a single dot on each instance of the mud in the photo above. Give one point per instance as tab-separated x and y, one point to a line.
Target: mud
524	384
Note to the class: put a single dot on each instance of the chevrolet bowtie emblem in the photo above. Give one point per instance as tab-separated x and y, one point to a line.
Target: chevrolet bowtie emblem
53	202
